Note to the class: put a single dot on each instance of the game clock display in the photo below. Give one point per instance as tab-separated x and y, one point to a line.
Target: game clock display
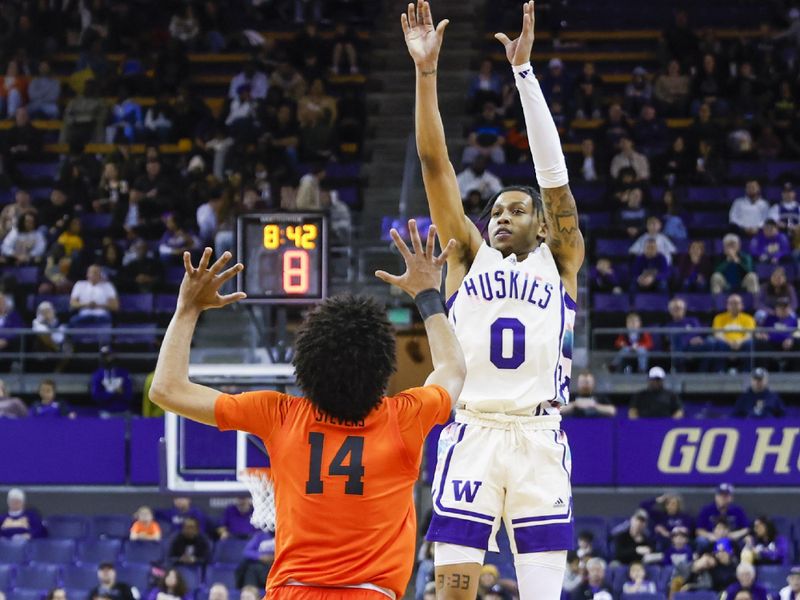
285	256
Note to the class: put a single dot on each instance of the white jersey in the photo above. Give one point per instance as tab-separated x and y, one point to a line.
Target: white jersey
514	322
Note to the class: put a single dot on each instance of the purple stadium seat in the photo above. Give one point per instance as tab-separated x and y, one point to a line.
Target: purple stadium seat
773	577
60	302
113	526
134	574
698	303
221	574
512	172
350	196
349	170
138	334
744	170
650	302
80	576
26	593
612	247
610	303
598	527
175	275
6	575
192	576
73	527
764	270
51	551
598	220
136	303
617	575
706	595
100	550
95	222
38	170
24	275
642	596
229	551
705	194
12	551
165	303
36	576
732	192
703	220
142	552
721	301
589	195
779	169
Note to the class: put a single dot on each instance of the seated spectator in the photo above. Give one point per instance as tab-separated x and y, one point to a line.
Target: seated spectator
486	137
777	287
765	546
258	556
595	586
9	319
49	331
686	340
185	27
141	272
181	510
94	299
679	551
586	549
286	79
190	546
677	163
693	269
47	405
344	46
786	213
170	587
25	243
55	213
713	570
792	589
23	142
782	324
633	347
316	136
489	577
604	278
632	544
71	239
125	119
58	272
176	239
745	581
586	166
109	587
631	217
671	90
19	522
585	403
650	271
111	388
11	406
650	132
739	141
84	118
251	592
242	118
158	121
615	127
664	245
486	86
253	76
556	84
637	581
629	157
749	212
759	401
573	576
236	519
218	591
476	178
655	401
588	100
709	168
54	594
735	272
282	138
768	144
318	105
770	245
667	513
145	528
722	509
44	91
733	332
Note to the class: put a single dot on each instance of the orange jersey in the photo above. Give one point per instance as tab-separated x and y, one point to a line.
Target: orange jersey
151	530
343	491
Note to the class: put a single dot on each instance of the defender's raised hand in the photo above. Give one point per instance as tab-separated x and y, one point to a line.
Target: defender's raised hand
422	39
518	51
200	287
423	269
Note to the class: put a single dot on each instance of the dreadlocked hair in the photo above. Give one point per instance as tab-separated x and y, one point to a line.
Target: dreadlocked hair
344	356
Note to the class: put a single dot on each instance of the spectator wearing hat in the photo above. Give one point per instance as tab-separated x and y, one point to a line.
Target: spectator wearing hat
714	569
722	508
595	585
792	589
19	522
733	332
633	544
629	157
759	401
735	272
749	212
679	551
586	403
745	581
770	245
782	325
655	401
111	387
489	577
109	587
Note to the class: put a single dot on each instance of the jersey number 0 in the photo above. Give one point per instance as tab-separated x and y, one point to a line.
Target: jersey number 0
353	446
496	346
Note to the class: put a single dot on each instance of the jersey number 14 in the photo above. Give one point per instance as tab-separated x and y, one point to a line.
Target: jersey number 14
353	446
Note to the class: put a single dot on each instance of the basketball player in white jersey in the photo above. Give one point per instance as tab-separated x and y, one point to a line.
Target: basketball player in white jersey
512	303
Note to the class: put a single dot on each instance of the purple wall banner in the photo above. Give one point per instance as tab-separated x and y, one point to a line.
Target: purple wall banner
85	451
145	434
591	442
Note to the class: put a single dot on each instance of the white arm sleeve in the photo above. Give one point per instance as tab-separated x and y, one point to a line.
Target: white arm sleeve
548	157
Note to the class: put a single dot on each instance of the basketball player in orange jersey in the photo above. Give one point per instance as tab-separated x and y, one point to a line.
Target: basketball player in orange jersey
344	459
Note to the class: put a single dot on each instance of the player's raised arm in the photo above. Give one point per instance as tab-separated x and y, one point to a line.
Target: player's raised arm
421	281
171	388
561	214
444	199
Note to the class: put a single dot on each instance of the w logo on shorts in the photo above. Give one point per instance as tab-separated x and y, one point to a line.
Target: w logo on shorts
462	489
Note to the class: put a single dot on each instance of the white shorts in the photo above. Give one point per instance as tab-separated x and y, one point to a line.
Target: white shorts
492	467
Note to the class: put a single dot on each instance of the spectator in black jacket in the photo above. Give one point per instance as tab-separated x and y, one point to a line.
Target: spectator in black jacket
759	401
595	586
633	543
190	547
109	587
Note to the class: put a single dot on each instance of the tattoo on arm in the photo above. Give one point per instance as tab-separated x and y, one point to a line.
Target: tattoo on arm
428	73
561	215
457	581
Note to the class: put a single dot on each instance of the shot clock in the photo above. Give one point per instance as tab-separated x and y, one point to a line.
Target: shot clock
285	256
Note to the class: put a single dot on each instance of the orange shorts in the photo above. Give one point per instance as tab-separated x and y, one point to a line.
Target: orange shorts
307	592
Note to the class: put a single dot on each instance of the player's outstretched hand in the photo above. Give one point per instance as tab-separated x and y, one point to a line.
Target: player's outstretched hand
423	269
424	41
518	51
200	286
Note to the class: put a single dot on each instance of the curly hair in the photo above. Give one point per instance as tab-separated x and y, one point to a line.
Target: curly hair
344	356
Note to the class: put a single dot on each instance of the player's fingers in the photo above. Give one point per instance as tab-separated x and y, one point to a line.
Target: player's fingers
401	245
229	274
502	38
526	24
387	277
412	15
204	259
220	262
416	242
187	263
430	243
420	13
442	258
427	18
231	298
441	27
404	23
